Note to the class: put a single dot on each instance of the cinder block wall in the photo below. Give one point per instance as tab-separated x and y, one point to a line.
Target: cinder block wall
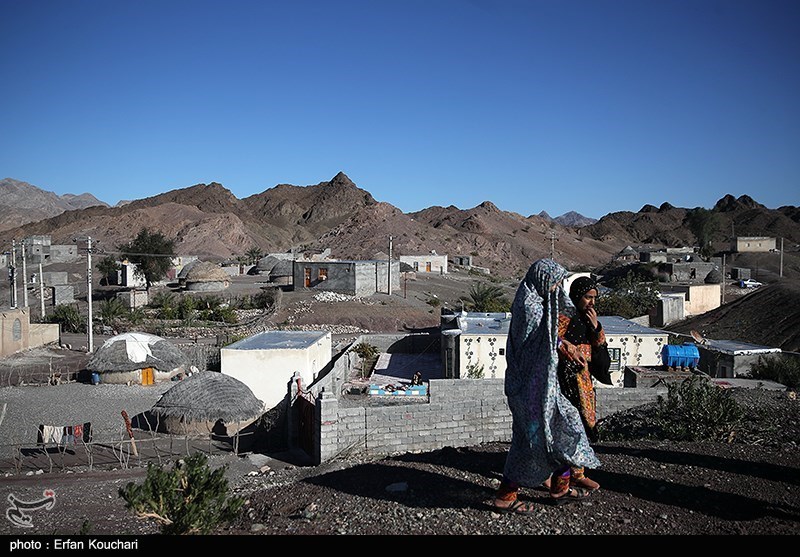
461	413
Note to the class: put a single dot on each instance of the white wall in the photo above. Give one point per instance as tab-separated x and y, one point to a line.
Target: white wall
267	372
635	350
486	349
438	263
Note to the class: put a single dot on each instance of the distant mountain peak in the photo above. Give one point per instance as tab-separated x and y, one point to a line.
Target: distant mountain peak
341	179
573	219
730	203
544	215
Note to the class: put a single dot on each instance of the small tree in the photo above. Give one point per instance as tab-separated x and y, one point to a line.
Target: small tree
69	318
189	499
152	253
631	297
487	298
253	254
106	267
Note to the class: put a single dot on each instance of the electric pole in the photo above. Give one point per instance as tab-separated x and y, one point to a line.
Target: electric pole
781	256
13	276
723	278
552	244
41	290
24	278
89	295
389	289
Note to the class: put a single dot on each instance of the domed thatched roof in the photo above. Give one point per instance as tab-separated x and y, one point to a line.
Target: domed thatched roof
209	396
186	268
265	264
206	271
132	351
713	277
283	268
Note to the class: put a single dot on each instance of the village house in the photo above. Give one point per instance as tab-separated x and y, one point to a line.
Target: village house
742	244
698	298
431	263
266	362
356	278
474	344
731	358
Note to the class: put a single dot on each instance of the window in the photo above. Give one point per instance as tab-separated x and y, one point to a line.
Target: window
416	265
323	273
615	354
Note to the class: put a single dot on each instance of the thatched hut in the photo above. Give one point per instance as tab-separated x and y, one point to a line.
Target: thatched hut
265	264
282	273
139	358
207	277
207	402
185	271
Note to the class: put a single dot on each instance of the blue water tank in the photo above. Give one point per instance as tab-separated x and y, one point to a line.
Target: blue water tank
95	378
680	355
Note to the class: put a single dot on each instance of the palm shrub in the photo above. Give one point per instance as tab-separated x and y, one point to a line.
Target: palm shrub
188	499
696	409
69	318
785	371
111	310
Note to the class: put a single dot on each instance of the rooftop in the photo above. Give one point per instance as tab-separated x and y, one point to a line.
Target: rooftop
616	325
739	348
272	340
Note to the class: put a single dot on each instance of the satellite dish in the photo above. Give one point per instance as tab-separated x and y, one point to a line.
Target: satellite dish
697	337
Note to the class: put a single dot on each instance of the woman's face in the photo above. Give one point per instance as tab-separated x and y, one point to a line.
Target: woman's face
587	301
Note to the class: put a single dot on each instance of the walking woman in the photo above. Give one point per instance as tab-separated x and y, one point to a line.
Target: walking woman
583	354
548	437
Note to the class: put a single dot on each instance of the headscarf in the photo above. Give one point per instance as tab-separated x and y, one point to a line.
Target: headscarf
581	286
534	321
548	432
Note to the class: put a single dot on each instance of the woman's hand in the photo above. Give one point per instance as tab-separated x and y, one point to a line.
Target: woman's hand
572	352
591	315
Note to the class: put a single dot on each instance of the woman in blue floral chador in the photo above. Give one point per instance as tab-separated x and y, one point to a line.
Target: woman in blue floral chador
548	436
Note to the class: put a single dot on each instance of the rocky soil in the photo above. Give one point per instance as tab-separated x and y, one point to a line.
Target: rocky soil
749	486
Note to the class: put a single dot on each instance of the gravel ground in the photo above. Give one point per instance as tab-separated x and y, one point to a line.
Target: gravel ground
749	486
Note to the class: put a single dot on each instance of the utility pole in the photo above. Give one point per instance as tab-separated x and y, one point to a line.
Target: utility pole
89	295
781	257
13	273
723	278
41	290
552	244
389	287
24	279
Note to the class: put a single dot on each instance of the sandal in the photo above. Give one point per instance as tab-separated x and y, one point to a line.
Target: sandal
578	479
572	495
516	507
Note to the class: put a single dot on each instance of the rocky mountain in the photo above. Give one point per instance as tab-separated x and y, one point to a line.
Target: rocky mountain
209	221
21	203
571	218
574	219
670	226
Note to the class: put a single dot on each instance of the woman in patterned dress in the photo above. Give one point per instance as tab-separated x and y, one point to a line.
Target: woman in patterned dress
583	354
548	437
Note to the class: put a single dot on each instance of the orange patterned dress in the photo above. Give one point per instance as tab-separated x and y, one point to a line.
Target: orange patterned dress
576	384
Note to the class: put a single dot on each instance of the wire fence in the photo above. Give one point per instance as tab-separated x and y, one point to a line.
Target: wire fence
122	452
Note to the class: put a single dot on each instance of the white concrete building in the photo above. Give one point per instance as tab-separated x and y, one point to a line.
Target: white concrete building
753	244
431	263
631	344
266	362
473	342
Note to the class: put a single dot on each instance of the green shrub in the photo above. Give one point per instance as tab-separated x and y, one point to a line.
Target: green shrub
189	499
162	300
69	318
111	310
475	371
785	371
696	409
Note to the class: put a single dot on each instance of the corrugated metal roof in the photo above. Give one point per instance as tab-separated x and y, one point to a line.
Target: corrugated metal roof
616	325
271	340
475	324
738	348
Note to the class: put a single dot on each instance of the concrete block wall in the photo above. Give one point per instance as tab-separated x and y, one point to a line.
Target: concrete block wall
460	413
613	400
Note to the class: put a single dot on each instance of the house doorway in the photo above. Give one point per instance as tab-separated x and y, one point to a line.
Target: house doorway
307	277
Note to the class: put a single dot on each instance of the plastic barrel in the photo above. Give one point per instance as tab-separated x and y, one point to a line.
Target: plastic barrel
95	378
683	355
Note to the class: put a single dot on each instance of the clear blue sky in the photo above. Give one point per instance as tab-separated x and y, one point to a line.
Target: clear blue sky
587	105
